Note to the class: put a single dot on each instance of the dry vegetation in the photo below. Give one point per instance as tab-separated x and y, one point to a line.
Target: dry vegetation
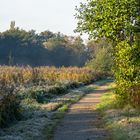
30	96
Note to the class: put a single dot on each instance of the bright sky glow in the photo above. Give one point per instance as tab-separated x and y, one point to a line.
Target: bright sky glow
41	15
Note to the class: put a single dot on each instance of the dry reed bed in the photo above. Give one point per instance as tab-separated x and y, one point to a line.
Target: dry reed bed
34	83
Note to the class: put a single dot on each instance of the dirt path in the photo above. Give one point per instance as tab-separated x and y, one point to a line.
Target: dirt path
80	122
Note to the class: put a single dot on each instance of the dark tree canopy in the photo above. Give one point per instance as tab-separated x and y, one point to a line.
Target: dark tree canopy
20	47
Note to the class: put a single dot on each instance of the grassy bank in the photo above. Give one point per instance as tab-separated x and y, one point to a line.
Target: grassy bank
123	122
40	119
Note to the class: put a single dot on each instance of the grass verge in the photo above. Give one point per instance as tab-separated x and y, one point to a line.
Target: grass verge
122	122
49	130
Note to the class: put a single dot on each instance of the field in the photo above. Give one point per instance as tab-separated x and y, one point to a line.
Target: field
30	97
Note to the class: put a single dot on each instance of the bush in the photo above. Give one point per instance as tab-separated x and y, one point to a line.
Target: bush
102	61
127	72
9	106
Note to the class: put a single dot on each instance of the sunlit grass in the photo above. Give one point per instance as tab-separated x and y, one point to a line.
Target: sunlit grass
122	122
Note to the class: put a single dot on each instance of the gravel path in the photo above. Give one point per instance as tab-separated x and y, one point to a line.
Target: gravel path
82	121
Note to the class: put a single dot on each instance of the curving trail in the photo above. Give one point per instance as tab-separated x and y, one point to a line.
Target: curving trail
82	122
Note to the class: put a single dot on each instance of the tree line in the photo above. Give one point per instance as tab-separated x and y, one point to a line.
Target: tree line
20	47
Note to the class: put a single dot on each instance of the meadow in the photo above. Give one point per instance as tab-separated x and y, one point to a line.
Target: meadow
28	93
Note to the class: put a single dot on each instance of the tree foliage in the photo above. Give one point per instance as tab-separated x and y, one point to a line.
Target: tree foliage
100	55
20	47
118	20
114	19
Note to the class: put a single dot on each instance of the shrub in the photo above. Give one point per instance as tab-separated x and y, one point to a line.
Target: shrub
127	73
9	105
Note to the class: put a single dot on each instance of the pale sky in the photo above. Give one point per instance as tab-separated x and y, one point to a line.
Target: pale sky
40	15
